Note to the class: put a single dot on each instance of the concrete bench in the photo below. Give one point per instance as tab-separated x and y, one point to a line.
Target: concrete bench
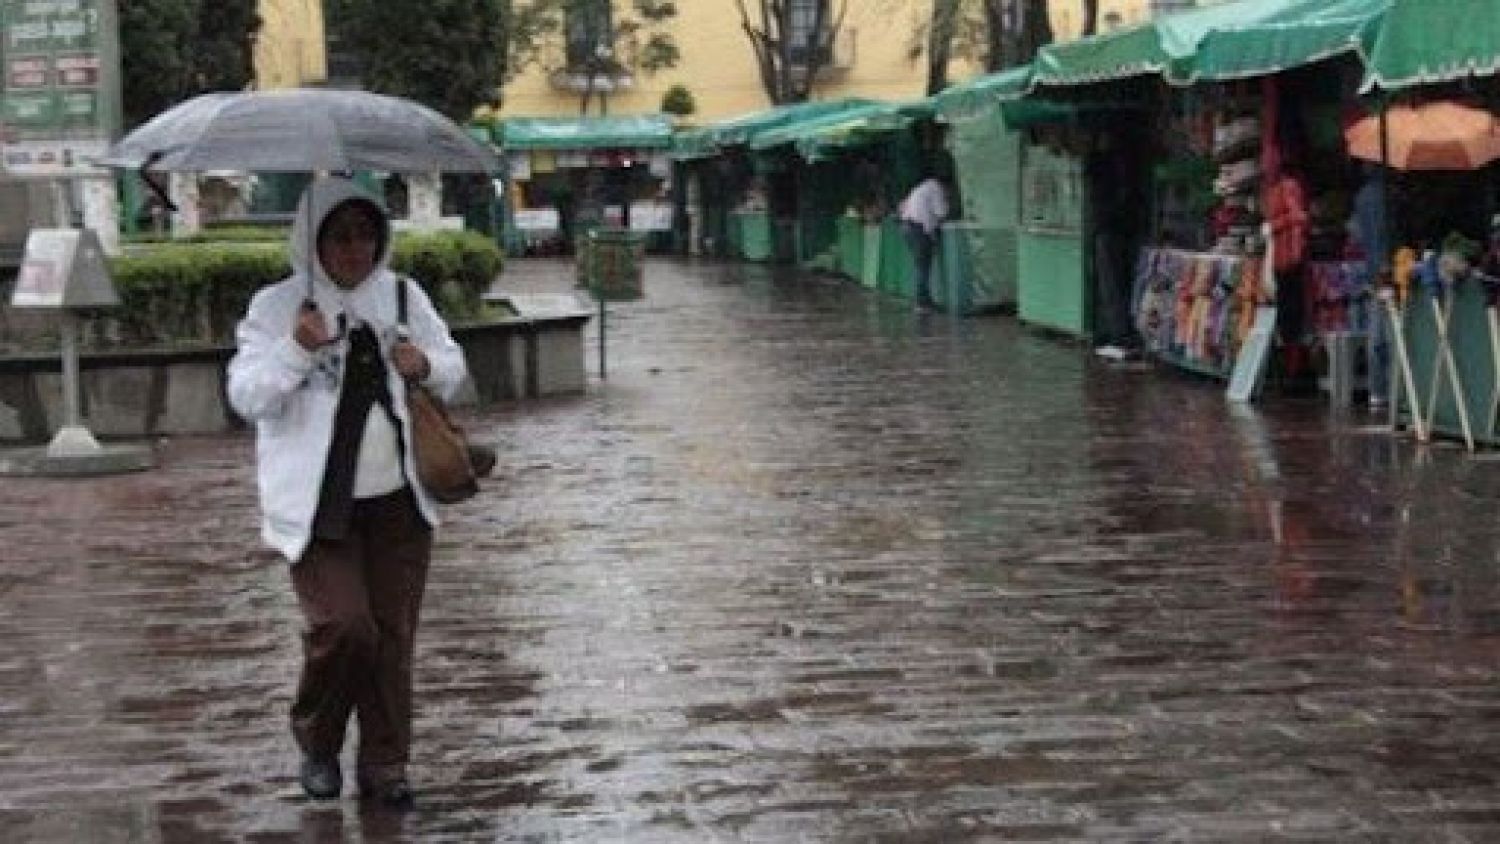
151	393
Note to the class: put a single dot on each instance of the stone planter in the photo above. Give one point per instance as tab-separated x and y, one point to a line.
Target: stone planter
151	393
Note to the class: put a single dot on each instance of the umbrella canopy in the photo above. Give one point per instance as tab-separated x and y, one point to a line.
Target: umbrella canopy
1435	136
301	130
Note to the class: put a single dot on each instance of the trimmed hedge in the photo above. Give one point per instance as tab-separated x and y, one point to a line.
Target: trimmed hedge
194	294
226	234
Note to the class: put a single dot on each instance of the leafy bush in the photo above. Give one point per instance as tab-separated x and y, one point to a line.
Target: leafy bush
227	234
194	293
678	100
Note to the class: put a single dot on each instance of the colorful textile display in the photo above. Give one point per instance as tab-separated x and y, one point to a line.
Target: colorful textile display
1194	309
1338	296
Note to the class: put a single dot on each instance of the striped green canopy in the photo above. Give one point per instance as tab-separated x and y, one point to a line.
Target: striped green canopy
1426	41
739	131
818	137
644	131
978	93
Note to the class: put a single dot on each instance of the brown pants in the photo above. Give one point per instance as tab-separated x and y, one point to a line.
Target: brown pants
361	597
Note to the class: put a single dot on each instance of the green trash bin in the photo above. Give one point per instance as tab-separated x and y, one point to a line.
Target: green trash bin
610	263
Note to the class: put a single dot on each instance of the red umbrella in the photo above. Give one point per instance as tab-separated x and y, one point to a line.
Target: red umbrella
1434	136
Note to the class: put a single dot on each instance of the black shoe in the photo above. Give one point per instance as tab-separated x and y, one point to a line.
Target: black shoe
395	795
321	779
482	458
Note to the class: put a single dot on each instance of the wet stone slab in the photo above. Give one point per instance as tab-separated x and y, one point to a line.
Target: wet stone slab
807	567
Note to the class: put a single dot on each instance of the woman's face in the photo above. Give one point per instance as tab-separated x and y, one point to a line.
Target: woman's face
349	245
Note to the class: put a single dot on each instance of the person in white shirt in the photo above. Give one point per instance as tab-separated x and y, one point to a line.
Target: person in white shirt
322	372
922	213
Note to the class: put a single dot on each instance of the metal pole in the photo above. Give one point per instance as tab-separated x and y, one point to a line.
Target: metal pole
72	416
1398	312
603	332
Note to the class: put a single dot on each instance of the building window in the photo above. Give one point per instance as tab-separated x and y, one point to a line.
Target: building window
590	35
801	35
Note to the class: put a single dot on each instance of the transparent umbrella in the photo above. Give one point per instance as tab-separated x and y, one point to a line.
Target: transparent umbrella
301	130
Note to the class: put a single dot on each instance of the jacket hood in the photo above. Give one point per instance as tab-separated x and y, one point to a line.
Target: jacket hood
319	201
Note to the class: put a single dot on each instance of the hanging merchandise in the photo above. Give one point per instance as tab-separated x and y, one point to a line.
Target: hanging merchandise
1338	297
1191	307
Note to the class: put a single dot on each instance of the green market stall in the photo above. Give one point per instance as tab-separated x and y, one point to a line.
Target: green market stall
850	166
1417	46
980	251
569	175
728	186
1215	44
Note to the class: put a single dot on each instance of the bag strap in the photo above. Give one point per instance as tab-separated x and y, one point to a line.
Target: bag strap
401	283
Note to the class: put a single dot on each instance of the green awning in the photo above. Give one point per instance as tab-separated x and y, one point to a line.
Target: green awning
816	137
646	131
1427	41
976	94
1308	32
709	140
1166	45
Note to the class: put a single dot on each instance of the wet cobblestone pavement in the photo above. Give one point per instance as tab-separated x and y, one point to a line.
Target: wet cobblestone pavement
808	567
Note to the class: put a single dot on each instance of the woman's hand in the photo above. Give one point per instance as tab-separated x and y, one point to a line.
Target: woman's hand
410	361
310	330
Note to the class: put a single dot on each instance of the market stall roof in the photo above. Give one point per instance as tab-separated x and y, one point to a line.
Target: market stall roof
738	131
1307	32
980	92
1403	43
1170	45
816	137
641	131
1422	42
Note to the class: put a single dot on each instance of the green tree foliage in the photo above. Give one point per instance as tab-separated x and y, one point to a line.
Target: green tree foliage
636	35
678	100
171	50
594	38
447	54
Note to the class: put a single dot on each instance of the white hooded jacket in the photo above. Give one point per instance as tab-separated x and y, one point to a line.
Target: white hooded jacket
291	394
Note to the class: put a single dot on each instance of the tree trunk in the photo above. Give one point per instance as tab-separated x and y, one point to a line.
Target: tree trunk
784	78
1036	29
999	43
940	43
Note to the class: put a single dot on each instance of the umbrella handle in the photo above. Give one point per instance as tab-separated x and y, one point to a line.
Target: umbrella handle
155	186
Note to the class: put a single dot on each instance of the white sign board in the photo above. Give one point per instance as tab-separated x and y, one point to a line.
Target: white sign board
537	219
63	268
650	217
61	85
557	305
1251	362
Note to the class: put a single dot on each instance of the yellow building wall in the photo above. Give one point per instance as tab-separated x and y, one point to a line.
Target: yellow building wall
718	67
290	50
